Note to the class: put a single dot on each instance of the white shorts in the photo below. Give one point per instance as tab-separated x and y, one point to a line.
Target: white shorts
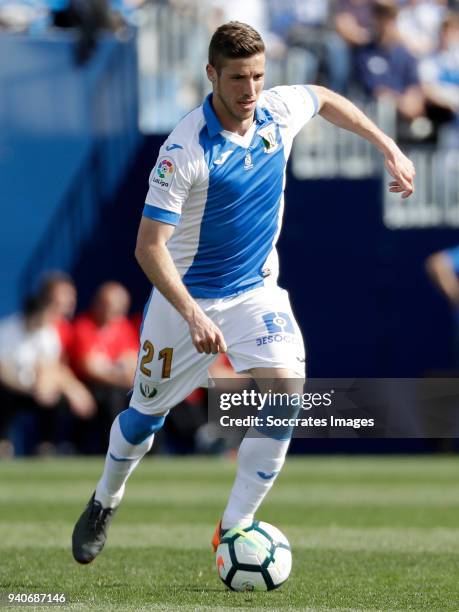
259	329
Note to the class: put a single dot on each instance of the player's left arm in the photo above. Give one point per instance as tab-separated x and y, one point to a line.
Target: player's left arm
344	114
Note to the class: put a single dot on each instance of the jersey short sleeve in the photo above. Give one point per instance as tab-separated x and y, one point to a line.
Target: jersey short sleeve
170	182
294	104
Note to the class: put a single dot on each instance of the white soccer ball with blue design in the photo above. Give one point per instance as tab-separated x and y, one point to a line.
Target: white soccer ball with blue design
255	558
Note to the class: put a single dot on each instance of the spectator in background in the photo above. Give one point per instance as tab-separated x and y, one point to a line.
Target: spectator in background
88	17
60	291
24	15
385	68
36	388
443	269
440	73
103	354
419	23
312	47
353	21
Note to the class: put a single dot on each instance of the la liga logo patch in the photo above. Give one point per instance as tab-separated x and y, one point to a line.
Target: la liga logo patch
164	168
163	174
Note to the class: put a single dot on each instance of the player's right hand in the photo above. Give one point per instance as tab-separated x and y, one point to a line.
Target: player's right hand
205	335
401	168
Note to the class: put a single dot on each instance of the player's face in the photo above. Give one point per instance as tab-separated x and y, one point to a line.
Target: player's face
237	87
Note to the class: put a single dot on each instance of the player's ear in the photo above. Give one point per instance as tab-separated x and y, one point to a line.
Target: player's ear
211	73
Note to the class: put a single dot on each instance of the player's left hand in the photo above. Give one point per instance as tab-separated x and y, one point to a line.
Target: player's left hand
402	170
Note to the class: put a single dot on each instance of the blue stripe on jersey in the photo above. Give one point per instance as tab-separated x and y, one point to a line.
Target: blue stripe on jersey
313	95
159	214
241	213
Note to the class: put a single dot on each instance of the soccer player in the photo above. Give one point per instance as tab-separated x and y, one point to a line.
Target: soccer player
207	243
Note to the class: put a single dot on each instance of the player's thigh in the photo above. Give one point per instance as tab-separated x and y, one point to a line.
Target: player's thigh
169	366
277	380
261	332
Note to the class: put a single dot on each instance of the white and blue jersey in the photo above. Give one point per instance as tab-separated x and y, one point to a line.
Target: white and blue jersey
225	192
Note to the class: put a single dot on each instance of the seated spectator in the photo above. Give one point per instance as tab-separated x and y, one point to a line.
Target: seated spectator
353	22
59	289
419	23
385	68
312	47
34	383
105	343
103	354
440	73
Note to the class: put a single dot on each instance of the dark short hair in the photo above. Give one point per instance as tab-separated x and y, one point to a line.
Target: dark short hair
34	305
233	40
385	9
52	279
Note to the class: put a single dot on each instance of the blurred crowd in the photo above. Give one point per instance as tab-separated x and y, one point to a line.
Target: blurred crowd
402	51
87	17
405	52
64	378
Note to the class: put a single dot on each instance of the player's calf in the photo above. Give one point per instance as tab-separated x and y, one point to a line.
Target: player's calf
131	437
261	457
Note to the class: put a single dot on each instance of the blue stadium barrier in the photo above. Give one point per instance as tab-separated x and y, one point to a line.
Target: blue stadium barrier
67	136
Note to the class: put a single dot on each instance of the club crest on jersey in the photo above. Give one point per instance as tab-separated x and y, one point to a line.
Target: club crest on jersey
248	164
163	174
269	138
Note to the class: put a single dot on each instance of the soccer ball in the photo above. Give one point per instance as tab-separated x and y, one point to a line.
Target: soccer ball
254	558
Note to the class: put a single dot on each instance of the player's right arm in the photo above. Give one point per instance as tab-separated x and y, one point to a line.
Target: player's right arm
156	262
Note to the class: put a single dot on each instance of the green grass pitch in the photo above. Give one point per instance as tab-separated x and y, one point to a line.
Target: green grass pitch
367	534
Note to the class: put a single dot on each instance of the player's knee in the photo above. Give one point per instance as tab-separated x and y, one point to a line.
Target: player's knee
279	415
136	427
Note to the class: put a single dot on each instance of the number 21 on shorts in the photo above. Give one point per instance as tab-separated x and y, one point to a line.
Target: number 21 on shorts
149	352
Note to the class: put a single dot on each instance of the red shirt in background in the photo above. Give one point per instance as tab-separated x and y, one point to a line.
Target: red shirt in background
110	340
65	330
136	321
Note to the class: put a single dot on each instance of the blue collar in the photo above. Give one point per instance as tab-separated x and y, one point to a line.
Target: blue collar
214	126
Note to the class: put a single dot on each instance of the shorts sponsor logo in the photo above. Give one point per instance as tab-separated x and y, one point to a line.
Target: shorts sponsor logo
274	338
163	174
147	390
278	322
